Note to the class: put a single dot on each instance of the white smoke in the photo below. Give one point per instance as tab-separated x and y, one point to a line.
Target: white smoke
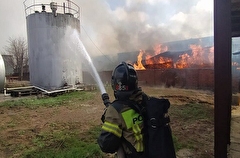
109	27
141	24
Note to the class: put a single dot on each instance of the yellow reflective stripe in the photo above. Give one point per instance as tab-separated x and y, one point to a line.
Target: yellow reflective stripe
137	132
112	128
138	137
139	147
128	117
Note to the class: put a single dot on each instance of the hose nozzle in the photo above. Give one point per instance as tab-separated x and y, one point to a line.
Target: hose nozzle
105	99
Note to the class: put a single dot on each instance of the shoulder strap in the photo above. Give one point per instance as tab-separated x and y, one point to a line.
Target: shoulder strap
134	106
140	108
117	104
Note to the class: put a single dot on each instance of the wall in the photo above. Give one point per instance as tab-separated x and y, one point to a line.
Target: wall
181	78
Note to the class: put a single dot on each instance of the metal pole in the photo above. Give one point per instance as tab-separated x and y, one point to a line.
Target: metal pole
222	77
69	6
64	8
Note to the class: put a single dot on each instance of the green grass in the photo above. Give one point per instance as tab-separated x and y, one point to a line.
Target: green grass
69	143
59	100
179	144
192	112
59	143
63	144
193	119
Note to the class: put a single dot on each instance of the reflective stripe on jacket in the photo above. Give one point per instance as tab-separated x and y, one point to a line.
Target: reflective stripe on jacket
112	128
122	120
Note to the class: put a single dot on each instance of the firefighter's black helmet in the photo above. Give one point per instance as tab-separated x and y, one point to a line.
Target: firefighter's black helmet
124	78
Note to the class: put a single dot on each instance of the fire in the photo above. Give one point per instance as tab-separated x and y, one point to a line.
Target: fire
139	65
183	62
159	62
160	49
197	57
235	64
211	55
149	60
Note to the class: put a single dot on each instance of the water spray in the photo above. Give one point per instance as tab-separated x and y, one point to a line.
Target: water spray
95	74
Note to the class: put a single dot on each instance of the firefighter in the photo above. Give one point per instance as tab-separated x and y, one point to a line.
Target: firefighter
122	129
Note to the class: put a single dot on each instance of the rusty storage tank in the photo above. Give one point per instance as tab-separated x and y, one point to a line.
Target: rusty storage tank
2	74
52	63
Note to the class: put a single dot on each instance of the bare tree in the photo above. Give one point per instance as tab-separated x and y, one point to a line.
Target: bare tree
18	48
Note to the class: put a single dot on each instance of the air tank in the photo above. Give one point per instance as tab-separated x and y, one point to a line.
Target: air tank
52	63
2	74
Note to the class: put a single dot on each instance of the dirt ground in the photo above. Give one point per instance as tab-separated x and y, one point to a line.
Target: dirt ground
19	125
234	151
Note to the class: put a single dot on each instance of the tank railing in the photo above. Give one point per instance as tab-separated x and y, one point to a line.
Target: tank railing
71	8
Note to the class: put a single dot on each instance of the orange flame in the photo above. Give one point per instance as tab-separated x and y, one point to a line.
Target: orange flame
235	64
160	49
183	62
139	65
211	55
157	50
199	57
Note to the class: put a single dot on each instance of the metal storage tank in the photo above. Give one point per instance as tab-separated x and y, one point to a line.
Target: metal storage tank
2	74
52	64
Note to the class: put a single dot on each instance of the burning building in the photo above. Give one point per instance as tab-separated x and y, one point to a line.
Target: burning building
197	57
186	69
182	64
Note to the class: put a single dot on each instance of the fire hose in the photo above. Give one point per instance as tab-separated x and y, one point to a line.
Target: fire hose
106	102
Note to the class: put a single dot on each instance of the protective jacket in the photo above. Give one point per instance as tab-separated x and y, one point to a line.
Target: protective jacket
123	126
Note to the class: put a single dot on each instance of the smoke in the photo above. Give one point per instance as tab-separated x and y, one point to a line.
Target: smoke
141	24
125	25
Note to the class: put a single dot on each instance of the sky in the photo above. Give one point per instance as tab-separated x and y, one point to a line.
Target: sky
112	26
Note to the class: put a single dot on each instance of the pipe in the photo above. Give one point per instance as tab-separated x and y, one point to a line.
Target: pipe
5	93
45	91
27	87
55	91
